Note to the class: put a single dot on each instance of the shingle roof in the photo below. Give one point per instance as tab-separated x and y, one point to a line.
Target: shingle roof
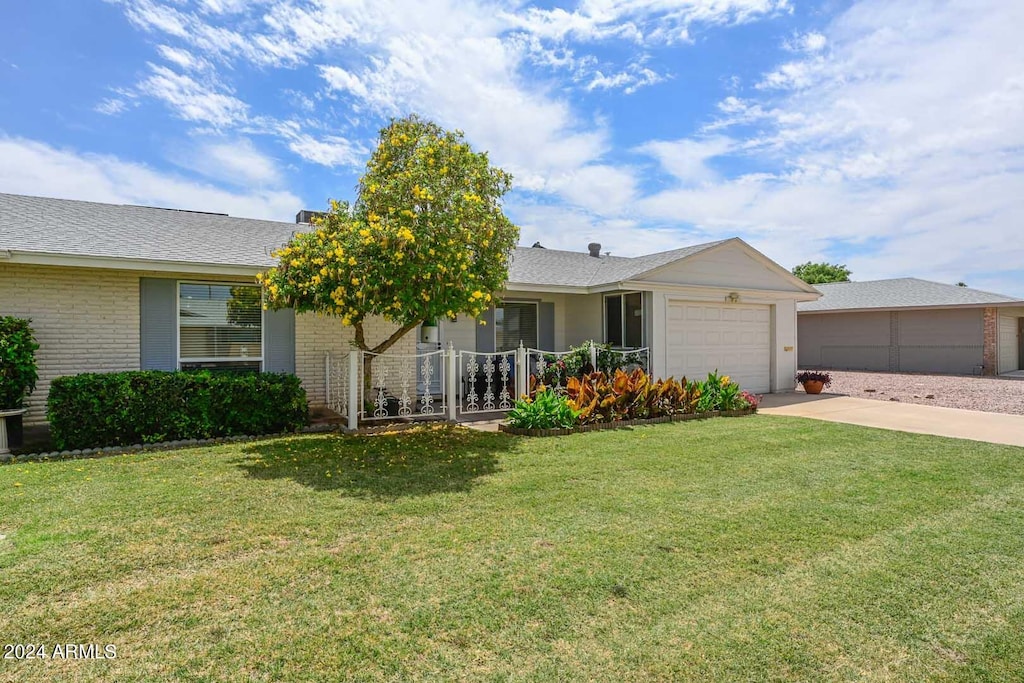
906	292
577	269
78	228
70	227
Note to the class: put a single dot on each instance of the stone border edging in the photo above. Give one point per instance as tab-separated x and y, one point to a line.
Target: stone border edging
102	451
622	424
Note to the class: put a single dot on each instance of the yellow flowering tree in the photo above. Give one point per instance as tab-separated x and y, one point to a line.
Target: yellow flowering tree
425	239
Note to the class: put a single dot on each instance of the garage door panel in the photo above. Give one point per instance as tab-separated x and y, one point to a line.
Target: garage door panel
733	339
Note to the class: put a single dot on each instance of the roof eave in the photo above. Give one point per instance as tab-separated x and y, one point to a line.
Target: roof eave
554	289
683	288
40	258
933	307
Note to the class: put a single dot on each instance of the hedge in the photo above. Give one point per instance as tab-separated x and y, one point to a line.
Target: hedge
18	372
125	408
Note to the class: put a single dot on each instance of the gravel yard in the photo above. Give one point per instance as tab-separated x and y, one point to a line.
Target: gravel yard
952	391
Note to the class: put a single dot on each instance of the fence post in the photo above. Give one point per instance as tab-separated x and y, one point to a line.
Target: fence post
327	379
354	358
452	380
522	370
593	356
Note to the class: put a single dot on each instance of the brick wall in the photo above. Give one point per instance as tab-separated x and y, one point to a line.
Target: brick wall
316	335
990	352
85	320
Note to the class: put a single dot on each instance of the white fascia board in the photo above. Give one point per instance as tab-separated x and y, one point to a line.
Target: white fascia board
710	293
552	289
114	263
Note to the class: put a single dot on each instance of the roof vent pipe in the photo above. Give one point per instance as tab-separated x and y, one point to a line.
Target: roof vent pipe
595	249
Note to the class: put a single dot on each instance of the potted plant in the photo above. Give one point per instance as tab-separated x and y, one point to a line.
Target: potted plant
814	381
18	375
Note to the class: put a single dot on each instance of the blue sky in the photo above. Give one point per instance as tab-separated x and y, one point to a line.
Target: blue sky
884	135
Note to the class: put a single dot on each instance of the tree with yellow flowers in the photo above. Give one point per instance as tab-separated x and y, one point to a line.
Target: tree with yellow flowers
425	239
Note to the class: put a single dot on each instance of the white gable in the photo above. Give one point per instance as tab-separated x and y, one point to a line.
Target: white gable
732	265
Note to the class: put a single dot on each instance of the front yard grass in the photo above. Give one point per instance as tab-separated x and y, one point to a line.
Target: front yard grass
760	548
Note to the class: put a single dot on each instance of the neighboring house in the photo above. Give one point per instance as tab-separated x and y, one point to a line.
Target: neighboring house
113	287
911	325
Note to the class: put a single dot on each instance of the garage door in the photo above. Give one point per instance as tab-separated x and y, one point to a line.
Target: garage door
734	339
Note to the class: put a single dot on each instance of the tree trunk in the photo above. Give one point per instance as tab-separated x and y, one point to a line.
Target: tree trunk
369	354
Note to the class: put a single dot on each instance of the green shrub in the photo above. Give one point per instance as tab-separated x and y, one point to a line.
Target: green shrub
546	410
576	363
18	373
125	408
718	392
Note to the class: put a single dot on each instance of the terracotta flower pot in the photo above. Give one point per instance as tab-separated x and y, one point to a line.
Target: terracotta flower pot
813	386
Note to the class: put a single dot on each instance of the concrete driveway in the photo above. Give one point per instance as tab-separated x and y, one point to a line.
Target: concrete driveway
903	417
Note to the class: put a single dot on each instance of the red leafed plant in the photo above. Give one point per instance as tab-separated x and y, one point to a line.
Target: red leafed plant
627	396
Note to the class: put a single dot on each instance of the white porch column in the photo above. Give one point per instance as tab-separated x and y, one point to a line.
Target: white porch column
354	358
522	370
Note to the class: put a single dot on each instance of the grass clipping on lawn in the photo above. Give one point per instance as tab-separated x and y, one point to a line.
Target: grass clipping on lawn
759	549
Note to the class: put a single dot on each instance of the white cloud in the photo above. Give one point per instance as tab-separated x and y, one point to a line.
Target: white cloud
687	159
461	63
811	41
111	106
900	147
792	75
642	21
601	188
559	227
236	161
35	168
330	150
181	58
192	100
634	77
338	79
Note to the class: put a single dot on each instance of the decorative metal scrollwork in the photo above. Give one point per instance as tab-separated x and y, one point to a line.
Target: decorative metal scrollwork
504	398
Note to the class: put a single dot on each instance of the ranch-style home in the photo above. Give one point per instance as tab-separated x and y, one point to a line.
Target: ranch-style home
912	325
115	287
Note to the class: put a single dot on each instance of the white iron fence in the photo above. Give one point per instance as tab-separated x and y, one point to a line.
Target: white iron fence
451	384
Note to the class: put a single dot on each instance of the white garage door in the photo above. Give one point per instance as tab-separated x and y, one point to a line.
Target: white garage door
734	339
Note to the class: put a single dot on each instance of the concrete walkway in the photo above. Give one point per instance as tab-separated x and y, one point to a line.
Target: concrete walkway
903	417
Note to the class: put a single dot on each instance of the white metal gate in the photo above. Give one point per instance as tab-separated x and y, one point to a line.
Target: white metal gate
452	384
401	386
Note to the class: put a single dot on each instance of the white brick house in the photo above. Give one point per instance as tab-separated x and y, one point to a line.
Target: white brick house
111	287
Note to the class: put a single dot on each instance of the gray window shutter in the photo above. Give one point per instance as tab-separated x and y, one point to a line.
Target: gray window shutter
546	326
485	333
279	341
158	338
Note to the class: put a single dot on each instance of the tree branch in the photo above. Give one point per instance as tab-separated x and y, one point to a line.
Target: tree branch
390	341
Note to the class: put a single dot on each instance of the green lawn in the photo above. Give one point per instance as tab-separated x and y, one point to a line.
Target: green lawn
759	548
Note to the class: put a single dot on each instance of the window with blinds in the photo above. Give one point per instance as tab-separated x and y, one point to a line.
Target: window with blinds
219	326
515	322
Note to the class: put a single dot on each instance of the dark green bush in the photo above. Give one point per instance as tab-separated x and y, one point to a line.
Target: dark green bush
18	373
125	408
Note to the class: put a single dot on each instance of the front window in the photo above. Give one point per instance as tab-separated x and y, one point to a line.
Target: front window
220	326
624	320
515	322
